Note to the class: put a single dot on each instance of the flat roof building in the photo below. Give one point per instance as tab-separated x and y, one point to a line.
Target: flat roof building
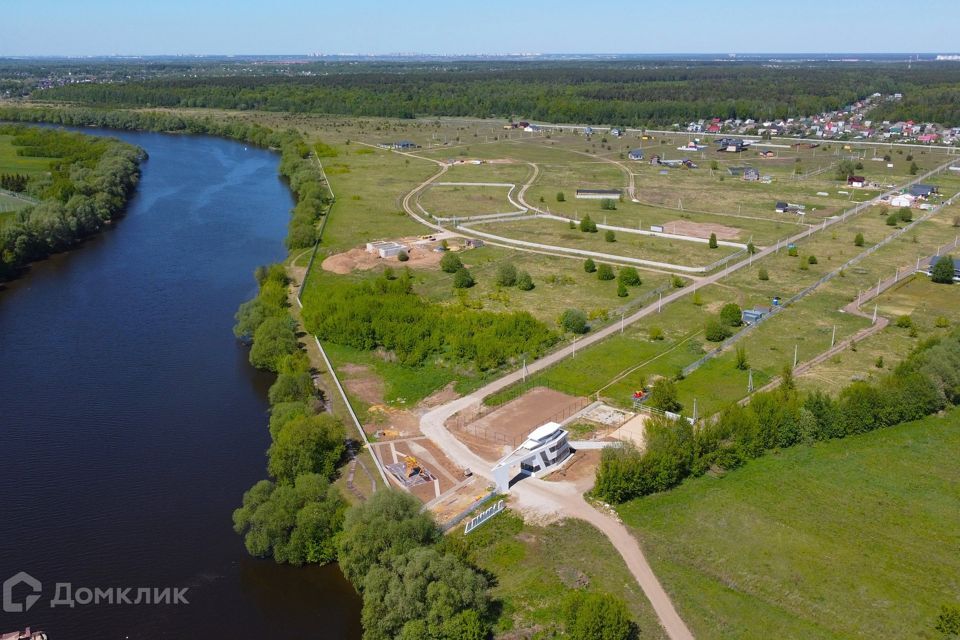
544	448
598	194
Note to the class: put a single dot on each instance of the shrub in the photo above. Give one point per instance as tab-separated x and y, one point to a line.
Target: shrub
402	256
858	240
664	396
716	331
914	168
793	252
942	271
462	279
450	263
741	355
605	272
905	214
804	265
608	204
811	259
892	220
904	322
596	616
589	265
574	321
879	362
762	274
751	249
610	236
713	241
561	197
571	224
731	315
942	322
621	290
587	225
506	275
677	282
629	277
524	281
655	333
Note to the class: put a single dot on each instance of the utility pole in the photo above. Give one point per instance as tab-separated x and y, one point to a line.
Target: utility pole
621	323
694	409
874	314
750	381
660	302
833	339
796	351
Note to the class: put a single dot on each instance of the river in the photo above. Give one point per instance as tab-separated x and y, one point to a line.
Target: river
131	422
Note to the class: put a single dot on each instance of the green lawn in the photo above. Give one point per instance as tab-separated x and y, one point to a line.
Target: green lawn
855	538
10	162
448	201
535	568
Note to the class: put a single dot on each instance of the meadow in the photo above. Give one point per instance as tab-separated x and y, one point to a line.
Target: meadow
843	539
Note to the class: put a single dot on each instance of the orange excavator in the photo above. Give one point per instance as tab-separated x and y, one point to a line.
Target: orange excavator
413	467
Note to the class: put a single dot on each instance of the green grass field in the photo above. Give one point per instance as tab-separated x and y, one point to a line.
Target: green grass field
10	162
535	568
855	538
448	201
556	233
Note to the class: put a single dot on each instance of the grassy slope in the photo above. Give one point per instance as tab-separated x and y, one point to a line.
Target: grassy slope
534	569
852	538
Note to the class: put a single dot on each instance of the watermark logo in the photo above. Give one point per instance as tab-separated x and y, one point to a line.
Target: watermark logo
66	595
10	605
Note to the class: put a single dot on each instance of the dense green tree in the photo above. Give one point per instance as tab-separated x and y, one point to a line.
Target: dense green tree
307	444
664	396
450	263
715	330
506	274
712	243
291	387
610	236
462	279
589	265
629	276
574	321
943	270
597	616
292	523
858	240
272	340
731	315
905	214
424	593
385	527
605	272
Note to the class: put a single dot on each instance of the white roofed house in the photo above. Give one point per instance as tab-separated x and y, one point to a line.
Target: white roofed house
544	448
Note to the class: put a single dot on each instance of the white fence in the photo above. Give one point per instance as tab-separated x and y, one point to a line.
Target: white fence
483	516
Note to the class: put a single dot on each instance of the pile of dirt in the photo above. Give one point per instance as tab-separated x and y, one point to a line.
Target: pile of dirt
421	253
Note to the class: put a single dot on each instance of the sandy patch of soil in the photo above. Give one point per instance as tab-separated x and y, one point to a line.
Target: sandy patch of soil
701	229
421	253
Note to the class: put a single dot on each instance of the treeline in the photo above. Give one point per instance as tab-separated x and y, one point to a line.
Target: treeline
16	182
925	104
295	165
294	516
89	182
385	313
625	94
924	383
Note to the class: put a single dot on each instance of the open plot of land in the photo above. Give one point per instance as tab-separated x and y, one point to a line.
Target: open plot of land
10	162
510	171
457	200
559	283
778	548
556	233
434	475
421	254
499	431
537	568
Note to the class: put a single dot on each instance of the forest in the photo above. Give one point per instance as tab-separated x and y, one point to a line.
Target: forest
628	94
87	185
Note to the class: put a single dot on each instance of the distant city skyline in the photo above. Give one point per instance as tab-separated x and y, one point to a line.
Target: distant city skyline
496	27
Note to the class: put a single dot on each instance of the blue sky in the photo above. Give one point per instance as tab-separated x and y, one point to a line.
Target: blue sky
97	27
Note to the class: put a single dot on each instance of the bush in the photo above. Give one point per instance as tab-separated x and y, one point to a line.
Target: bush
664	396
621	290
462	279
716	331
506	275
589	265
610	236
677	282
905	214
892	220
942	271
273	340
605	272
561	197
574	321
731	315
762	274
524	281
811	259
596	616
713	241
793	252
942	322
450	263
804	265
914	168
629	277
751	248
904	322
608	204
741	358
587	225
403	256
655	333
858	240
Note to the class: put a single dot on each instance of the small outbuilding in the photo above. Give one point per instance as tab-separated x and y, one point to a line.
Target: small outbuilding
856	181
751	316
636	154
598	194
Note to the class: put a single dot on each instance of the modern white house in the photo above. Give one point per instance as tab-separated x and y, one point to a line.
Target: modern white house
544	448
